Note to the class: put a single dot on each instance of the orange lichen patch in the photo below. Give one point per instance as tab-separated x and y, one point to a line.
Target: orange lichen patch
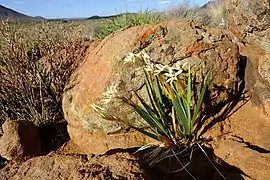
196	48
148	36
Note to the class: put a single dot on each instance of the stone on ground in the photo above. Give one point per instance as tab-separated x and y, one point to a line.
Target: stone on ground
20	139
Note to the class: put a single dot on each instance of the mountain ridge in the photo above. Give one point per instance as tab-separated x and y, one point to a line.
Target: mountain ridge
12	15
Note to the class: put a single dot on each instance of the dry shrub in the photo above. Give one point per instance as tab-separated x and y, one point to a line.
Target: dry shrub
36	61
213	14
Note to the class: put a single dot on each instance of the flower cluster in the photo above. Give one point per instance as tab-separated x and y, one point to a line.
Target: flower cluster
109	94
132	57
171	72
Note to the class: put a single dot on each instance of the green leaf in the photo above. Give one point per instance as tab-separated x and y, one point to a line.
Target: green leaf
180	111
159	103
155	96
152	121
157	90
150	91
188	101
201	96
147	133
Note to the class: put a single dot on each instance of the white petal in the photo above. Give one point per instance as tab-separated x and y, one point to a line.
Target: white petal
170	70
178	72
159	66
168	74
106	101
184	64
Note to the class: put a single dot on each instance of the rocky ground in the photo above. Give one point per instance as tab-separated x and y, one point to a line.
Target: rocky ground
240	150
238	106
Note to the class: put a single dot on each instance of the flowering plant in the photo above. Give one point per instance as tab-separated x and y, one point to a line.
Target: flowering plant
174	111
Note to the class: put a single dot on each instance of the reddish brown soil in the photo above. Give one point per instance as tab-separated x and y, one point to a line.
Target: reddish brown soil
246	143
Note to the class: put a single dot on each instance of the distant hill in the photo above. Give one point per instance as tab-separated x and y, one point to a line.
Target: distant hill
106	17
11	15
212	4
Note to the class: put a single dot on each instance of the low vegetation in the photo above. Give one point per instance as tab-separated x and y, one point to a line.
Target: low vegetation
129	20
36	61
212	15
173	112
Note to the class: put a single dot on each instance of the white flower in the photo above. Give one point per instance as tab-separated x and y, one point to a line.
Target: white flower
97	108
110	93
178	72
171	79
150	67
130	57
172	75
177	66
145	57
174	72
160	68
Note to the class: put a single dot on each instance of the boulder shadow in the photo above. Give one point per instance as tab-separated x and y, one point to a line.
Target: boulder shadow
53	136
225	109
199	168
3	162
202	167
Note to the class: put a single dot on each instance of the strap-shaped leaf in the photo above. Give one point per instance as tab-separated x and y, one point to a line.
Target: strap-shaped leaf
149	117
159	103
150	91
201	96
157	90
155	95
188	101
180	110
147	133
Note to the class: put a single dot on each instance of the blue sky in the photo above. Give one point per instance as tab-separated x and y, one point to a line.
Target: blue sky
86	8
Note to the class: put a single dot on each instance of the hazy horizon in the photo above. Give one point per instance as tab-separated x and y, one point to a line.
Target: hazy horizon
84	8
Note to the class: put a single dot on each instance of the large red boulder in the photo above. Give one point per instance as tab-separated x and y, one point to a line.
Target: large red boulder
104	69
249	22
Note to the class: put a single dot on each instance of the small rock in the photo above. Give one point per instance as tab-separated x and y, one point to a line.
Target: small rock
20	139
78	167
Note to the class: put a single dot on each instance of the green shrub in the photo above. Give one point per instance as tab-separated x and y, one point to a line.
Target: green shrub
174	111
36	61
128	20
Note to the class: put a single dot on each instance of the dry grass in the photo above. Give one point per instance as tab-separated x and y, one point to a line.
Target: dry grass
212	16
36	61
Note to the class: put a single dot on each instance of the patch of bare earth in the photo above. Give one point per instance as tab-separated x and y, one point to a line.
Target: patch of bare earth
242	140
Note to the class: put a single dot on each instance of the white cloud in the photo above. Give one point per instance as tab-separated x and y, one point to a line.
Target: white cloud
164	2
19	2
